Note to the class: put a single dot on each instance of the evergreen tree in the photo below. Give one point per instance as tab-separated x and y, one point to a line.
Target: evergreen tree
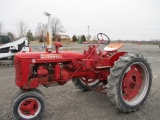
30	35
40	40
83	38
74	38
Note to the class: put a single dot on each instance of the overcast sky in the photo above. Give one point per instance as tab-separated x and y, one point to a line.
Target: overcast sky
119	19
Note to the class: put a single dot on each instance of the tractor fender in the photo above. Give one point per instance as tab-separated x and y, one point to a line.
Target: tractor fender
115	57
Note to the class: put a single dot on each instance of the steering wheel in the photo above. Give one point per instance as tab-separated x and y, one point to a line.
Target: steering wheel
103	38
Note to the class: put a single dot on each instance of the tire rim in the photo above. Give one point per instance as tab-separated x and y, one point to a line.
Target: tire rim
29	108
89	82
135	83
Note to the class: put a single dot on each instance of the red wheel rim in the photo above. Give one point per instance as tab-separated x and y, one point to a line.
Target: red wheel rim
29	107
132	82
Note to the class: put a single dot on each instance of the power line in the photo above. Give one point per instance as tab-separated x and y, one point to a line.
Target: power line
131	30
143	30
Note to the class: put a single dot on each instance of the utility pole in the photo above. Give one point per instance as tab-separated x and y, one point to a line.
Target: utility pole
88	32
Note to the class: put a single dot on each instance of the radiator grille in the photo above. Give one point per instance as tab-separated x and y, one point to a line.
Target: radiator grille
18	68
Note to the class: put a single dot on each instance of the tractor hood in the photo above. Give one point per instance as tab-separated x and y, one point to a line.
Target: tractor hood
61	56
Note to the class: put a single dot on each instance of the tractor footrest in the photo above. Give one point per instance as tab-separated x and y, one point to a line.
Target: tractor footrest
100	89
102	67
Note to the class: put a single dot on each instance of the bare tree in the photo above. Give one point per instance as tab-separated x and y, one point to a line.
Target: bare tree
41	30
57	26
21	27
1	27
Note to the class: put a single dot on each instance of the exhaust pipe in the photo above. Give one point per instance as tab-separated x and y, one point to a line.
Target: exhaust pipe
49	33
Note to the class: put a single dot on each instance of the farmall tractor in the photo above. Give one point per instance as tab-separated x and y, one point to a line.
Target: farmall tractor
126	78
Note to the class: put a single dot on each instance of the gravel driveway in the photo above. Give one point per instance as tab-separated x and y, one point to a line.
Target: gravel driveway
69	103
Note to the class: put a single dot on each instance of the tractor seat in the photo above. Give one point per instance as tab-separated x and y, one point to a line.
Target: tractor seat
113	47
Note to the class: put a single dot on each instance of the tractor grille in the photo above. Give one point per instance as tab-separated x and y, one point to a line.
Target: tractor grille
18	69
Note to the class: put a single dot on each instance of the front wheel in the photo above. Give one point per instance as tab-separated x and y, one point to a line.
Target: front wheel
28	105
129	82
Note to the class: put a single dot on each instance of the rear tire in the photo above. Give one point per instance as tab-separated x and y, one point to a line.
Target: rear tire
82	86
28	105
129	82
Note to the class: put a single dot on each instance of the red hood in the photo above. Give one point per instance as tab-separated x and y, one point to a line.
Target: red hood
53	56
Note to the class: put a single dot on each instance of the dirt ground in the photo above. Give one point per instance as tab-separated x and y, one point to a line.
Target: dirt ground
69	103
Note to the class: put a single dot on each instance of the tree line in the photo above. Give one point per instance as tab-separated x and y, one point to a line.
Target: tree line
40	31
80	38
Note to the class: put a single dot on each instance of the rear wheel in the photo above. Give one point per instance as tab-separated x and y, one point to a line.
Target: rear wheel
28	105
85	84
129	82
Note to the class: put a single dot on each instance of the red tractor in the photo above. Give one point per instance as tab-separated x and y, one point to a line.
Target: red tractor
126	78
